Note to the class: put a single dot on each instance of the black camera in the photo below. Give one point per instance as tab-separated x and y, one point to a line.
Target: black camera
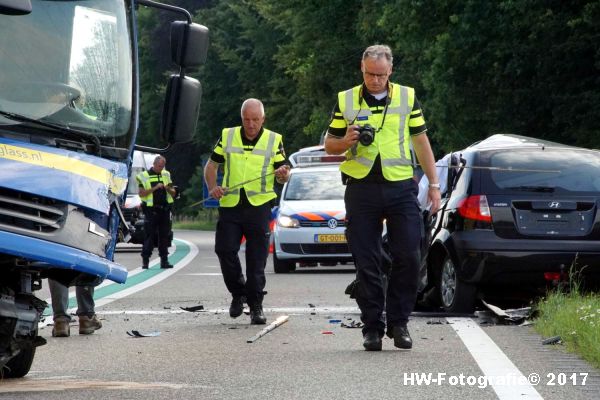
366	134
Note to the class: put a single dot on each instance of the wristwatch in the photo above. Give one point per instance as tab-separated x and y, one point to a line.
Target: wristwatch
434	186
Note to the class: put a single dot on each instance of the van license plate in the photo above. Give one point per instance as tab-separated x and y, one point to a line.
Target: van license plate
330	238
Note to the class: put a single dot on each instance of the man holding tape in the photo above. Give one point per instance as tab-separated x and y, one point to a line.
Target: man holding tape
252	158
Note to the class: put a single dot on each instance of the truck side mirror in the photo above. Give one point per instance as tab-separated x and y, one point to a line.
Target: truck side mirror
189	44
15	7
181	109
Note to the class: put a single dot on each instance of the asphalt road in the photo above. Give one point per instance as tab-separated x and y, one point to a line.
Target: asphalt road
205	354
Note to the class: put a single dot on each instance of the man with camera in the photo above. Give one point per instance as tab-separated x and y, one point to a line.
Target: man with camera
374	124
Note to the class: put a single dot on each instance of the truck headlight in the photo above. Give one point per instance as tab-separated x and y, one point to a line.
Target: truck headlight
288	222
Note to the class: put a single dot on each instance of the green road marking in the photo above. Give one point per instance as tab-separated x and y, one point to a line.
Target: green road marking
182	250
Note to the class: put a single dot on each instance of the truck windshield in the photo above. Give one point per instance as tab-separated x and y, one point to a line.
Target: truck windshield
68	63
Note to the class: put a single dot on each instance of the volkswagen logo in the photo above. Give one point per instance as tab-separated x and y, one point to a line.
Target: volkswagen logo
332	223
554	204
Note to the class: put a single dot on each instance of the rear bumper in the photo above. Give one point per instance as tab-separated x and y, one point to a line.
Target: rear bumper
482	257
61	256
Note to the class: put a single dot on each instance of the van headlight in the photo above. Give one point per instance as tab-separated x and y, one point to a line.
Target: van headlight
288	222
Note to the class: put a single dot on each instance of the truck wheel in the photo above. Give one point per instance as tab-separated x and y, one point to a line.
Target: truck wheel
455	295
19	365
283	266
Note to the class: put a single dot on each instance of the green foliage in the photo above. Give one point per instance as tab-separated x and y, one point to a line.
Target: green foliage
576	319
529	67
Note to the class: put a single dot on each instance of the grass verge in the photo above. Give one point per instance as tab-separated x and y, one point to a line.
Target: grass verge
574	317
195	225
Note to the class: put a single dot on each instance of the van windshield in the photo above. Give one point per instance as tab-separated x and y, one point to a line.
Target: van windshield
69	64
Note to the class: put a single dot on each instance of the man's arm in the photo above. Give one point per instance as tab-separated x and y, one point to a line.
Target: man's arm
340	137
427	160
143	192
339	144
210	177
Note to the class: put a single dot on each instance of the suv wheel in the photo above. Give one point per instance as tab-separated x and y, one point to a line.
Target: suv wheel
283	266
455	294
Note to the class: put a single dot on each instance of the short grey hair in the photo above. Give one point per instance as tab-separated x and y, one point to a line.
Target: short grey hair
160	158
252	101
377	52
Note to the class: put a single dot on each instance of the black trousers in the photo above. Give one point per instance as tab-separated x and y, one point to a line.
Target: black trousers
367	205
157	220
253	223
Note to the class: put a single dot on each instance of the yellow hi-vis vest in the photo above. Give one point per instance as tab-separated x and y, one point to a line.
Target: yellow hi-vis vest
392	143
145	180
241	166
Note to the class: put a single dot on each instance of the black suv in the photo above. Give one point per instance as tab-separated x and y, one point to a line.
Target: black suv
519	215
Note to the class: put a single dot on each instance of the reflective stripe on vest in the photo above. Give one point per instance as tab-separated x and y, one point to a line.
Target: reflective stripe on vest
255	166
394	148
145	179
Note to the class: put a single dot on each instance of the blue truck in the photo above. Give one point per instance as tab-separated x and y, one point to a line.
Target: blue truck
69	116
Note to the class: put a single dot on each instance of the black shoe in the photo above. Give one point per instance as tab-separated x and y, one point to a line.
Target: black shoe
145	262
372	341
237	306
402	338
165	264
257	317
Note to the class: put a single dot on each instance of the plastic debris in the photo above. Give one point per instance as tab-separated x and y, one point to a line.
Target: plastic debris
193	308
552	340
352	324
279	321
335	321
327	333
509	316
134	333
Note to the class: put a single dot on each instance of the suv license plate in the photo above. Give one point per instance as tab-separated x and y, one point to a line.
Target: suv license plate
330	238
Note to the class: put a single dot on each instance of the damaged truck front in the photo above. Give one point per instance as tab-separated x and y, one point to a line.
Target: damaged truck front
69	115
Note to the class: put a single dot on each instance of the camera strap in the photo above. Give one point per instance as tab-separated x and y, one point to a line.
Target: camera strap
385	109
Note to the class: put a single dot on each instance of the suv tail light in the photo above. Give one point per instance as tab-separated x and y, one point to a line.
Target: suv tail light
476	208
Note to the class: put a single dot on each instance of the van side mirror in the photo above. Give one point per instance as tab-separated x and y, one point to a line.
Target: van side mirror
181	109
189	44
15	7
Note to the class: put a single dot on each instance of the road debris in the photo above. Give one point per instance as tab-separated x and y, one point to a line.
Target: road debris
437	322
279	321
552	340
335	321
134	333
513	316
193	308
327	333
352	324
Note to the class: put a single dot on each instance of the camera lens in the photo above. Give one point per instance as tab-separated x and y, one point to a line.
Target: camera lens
366	135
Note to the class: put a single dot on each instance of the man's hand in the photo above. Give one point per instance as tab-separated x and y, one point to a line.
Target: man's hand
434	196
158	186
351	136
217	192
282	174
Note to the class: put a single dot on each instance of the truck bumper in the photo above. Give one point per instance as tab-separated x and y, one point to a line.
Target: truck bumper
60	256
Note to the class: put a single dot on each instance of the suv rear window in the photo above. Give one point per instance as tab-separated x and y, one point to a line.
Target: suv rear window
547	171
315	185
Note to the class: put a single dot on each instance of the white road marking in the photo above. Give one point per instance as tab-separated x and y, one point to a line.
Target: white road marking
288	310
205	274
492	361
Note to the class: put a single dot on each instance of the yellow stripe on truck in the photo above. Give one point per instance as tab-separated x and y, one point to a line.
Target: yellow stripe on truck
54	161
